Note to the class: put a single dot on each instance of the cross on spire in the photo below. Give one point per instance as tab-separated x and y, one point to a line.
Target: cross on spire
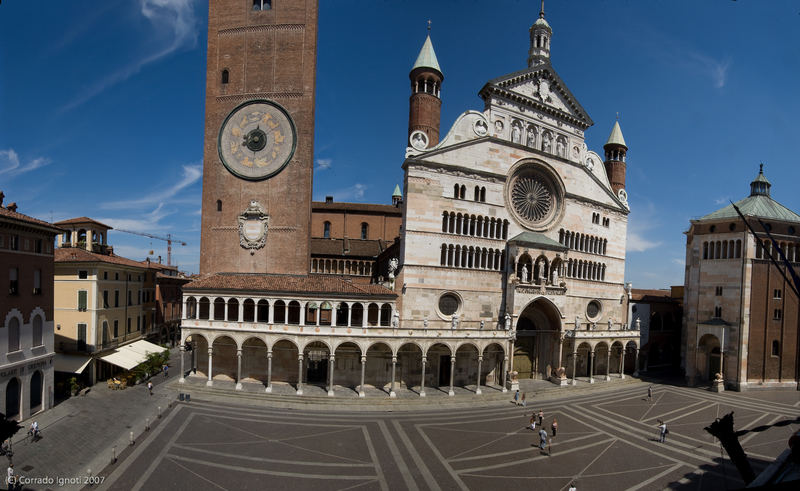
541	11
617	115
761	168
429	27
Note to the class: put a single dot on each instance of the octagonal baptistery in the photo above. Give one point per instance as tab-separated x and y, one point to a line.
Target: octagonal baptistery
513	229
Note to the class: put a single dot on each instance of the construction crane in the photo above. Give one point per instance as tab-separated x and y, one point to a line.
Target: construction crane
168	239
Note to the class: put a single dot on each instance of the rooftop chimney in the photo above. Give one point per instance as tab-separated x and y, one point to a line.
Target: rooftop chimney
329	199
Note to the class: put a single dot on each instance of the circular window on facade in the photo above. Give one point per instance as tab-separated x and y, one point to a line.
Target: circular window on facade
449	303
534	195
593	310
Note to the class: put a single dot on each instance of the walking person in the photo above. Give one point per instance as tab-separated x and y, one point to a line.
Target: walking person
572	486
533	421
166	370
650	394
11	480
554	427
523	400
150	387
542	439
516	398
541	417
662	427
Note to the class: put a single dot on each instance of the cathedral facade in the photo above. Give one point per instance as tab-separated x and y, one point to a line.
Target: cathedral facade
509	263
513	226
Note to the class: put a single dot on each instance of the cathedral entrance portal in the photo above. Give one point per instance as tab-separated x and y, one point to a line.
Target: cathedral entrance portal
536	347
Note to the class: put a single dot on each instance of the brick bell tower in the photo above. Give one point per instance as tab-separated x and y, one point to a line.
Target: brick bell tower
259	136
615	150
425	104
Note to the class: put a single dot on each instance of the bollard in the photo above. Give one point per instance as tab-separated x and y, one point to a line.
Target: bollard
131	437
146	424
159	412
114	454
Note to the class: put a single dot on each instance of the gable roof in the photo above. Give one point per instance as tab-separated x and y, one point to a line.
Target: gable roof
504	87
348	247
73	221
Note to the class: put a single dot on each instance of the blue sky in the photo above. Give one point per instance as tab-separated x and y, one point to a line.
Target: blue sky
101	104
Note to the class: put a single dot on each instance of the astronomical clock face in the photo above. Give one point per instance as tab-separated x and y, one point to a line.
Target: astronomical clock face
257	140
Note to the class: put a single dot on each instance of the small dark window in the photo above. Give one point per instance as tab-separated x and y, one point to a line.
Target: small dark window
719	291
768	227
364	231
791	230
776	294
82	275
713	228
105	299
105	275
116	298
224	76
718	312
777	315
326	230
732	227
776	348
116	276
14	242
219	205
262	4
13	283
82	300
116	329
37	247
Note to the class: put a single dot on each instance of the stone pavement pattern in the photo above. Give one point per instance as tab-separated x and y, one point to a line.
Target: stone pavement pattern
606	440
79	433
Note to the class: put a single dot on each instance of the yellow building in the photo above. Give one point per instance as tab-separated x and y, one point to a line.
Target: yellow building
102	304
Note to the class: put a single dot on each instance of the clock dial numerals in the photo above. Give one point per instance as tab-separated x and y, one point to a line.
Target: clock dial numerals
257	140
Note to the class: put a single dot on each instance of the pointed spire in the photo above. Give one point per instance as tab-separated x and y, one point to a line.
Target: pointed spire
541	11
615	138
397	191
540	34
427	57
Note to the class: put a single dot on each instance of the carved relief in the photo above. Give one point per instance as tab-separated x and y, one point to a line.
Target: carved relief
480	127
516	131
253	224
547	141
561	147
531	136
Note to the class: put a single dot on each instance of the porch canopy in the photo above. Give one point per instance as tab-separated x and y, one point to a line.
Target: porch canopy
71	363
130	355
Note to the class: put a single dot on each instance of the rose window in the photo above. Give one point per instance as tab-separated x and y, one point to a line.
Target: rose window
531	199
535	196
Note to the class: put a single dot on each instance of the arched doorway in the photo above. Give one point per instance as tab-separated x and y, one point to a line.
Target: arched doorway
409	366
316	356
379	365
254	361
536	347
36	392
284	362
224	362
12	398
708	357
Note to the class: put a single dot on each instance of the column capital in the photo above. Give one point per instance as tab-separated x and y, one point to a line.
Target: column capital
480	357
300	357
453	360
394	359
269	353
210	350
363	358
331	357
238	352
424	360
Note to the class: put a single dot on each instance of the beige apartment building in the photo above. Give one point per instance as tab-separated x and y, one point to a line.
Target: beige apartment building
103	304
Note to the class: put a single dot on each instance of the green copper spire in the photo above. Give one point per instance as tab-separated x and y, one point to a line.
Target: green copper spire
397	192
427	57
616	136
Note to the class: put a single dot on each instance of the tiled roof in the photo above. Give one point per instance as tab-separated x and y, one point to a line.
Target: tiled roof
19	217
78	255
357	207
756	206
354	247
71	221
279	283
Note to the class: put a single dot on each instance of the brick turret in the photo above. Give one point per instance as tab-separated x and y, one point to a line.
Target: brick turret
425	104
616	150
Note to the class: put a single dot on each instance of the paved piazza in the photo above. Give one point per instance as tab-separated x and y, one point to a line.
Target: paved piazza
606	440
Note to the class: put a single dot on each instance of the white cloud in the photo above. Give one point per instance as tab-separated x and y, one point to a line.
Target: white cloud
717	70
191	174
148	223
722	201
173	21
679	262
637	243
639	227
323	164
11	165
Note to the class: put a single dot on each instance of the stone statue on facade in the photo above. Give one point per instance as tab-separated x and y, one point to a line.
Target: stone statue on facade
524	278
638	324
541	275
508	322
610	324
555	277
425	322
577	322
483	323
560	148
393	263
454	321
531	142
396	319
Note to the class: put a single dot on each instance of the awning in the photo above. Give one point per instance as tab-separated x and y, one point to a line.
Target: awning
71	363
144	347
123	358
130	355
